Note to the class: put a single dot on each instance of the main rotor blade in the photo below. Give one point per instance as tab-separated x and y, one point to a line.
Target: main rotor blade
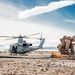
14	37
10	39
6	36
32	34
37	38
9	36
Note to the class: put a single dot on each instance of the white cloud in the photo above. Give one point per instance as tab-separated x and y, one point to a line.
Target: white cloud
16	27
8	10
43	9
72	21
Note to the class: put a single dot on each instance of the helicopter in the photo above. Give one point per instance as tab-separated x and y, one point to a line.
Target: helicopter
22	47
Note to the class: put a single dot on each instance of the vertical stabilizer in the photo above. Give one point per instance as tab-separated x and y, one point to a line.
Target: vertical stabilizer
41	44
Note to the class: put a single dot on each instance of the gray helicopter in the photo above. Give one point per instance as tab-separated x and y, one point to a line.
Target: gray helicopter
22	47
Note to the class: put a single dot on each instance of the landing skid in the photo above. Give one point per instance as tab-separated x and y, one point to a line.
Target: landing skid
23	54
13	54
19	54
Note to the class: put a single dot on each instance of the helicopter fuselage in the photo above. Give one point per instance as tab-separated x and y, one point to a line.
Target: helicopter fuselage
23	47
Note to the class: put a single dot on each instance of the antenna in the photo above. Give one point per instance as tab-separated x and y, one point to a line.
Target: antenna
41	35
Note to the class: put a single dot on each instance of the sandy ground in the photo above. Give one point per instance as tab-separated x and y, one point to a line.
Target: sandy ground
17	66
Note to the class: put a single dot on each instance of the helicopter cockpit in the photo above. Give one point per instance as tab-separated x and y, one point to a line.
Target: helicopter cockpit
20	42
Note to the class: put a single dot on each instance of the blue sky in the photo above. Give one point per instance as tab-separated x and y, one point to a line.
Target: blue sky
52	17
58	17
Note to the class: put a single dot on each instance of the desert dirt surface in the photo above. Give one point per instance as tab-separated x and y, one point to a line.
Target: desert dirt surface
50	66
